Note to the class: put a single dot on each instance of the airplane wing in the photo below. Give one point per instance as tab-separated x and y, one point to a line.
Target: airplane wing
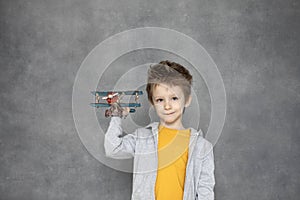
130	104
130	92
97	105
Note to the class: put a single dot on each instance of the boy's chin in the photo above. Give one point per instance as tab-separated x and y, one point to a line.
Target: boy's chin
170	122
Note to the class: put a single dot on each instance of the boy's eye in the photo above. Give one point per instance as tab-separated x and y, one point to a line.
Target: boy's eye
159	100
174	98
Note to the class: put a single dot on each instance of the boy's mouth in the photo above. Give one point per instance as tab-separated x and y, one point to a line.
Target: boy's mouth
169	113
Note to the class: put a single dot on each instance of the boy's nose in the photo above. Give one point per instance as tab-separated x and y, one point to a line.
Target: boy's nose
167	105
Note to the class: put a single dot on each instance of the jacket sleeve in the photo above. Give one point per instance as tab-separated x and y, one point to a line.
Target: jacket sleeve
118	146
205	187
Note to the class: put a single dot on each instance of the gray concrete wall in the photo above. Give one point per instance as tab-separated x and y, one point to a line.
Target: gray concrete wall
255	44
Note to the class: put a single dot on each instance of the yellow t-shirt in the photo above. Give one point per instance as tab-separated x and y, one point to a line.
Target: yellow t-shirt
172	159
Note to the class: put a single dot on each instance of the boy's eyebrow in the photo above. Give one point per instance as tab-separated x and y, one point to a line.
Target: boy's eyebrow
174	94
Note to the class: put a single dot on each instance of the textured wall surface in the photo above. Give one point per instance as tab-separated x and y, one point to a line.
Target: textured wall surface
255	44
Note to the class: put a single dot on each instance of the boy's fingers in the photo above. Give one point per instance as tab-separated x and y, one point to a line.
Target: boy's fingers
126	111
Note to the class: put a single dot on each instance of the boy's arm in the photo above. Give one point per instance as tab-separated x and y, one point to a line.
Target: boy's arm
205	187
118	147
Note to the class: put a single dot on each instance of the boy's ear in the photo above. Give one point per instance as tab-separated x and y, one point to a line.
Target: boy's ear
188	101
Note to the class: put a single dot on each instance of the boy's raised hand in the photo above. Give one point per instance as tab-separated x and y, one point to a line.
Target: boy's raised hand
119	111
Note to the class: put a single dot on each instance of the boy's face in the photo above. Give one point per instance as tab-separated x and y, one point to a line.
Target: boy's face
169	102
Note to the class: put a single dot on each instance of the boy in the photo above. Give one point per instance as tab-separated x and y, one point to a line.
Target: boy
170	161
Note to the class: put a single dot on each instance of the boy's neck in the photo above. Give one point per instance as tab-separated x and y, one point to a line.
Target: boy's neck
173	126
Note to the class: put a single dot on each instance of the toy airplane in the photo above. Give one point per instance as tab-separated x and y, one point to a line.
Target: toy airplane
113	99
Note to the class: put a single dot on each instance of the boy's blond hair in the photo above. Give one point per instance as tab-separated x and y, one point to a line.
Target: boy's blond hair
169	73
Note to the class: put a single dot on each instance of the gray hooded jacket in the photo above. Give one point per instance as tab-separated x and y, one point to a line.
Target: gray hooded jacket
142	146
